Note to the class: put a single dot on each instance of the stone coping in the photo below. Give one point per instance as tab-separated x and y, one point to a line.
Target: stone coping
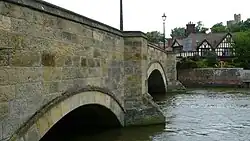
57	11
134	34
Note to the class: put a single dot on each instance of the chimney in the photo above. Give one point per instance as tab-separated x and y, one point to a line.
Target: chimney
170	41
190	28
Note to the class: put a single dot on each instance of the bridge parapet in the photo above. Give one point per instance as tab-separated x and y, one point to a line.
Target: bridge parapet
46	51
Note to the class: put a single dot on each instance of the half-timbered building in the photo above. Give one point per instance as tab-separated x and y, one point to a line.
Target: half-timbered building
200	43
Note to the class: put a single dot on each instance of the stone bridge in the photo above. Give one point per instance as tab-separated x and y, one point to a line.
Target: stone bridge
55	64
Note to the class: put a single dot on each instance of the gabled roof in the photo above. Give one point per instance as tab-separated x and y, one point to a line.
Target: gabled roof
196	39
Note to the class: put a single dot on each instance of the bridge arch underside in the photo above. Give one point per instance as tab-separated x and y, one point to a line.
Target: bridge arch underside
157	81
82	114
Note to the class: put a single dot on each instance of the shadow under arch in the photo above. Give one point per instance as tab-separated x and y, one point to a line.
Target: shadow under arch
156	83
86	120
156	78
87	102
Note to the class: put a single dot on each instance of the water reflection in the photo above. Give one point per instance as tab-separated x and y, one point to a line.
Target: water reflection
125	134
206	115
197	115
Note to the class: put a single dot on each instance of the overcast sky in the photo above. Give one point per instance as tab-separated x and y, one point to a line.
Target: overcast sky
145	15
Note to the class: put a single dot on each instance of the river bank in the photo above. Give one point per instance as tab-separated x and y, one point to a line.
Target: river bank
214	77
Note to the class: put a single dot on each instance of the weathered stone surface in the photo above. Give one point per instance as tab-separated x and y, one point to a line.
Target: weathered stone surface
5	22
54	54
7	93
51	73
4	110
27	90
32	134
227	77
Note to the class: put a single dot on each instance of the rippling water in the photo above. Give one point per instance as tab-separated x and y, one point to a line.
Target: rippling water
198	115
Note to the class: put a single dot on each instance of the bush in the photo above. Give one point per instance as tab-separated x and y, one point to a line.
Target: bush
202	63
211	59
186	63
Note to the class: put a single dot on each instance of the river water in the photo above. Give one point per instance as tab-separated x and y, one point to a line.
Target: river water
197	115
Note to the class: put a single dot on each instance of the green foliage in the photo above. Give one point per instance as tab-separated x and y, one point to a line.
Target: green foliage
202	63
186	63
154	36
240	27
218	28
211	58
242	49
178	32
200	27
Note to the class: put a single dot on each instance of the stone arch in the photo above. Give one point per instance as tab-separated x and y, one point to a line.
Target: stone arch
43	120
156	67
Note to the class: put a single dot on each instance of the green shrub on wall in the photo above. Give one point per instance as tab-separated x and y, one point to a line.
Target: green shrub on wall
186	63
209	60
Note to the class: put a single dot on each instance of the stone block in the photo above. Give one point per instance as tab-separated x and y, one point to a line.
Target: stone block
11	10
91	62
27	90
97	36
24	27
68	61
37	43
7	93
76	61
32	134
94	72
8	76
26	59
50	87
97	53
4	110
72	73
70	37
56	113
43	125
5	22
65	85
48	59
52	73
79	83
1	125
5	57
29	74
10	127
66	106
74	102
96	81
83	62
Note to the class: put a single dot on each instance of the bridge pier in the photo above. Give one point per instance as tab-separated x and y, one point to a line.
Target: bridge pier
140	109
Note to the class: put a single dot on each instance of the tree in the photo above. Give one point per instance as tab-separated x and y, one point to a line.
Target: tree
178	32
218	28
200	28
154	36
235	27
245	25
211	58
242	49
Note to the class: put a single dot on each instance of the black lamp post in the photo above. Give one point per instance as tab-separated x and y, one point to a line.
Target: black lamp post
121	16
164	41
